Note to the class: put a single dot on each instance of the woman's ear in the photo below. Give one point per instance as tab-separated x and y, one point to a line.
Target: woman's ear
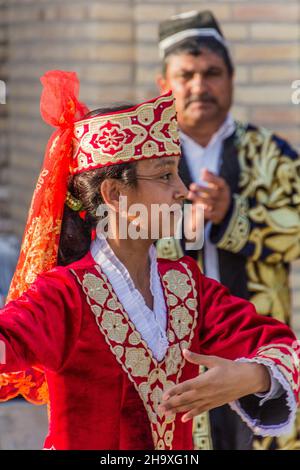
110	192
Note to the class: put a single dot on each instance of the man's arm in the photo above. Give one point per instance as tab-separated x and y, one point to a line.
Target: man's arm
263	221
239	348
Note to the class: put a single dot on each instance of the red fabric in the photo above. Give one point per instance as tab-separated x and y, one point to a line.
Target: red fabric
93	405
59	108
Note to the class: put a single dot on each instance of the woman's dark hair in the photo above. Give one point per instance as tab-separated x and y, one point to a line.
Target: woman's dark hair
75	238
194	47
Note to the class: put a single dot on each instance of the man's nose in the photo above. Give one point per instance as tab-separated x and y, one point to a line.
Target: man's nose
198	84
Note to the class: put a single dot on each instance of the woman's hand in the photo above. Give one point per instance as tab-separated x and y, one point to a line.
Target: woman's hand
223	382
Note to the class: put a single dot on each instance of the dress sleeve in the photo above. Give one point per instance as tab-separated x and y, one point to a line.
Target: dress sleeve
233	330
41	327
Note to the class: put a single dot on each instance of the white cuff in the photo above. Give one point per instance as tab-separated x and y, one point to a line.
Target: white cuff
276	389
283	425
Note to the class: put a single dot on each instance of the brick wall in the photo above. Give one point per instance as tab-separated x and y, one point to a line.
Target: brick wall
264	38
5	225
93	38
113	47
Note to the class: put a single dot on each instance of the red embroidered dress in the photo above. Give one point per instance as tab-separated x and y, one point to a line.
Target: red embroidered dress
104	384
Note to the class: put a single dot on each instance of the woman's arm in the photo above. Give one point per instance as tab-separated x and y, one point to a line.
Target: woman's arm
40	328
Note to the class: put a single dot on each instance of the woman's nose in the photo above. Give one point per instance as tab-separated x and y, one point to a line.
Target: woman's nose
181	189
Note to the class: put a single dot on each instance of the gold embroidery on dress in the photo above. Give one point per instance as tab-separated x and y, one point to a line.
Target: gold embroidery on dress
177	283
137	362
288	361
181	321
95	288
150	377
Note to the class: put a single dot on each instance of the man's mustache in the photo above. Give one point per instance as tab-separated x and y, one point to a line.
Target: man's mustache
204	98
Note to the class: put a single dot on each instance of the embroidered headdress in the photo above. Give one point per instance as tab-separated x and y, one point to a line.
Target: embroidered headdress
148	130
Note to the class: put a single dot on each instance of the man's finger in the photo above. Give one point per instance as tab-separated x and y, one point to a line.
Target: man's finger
210	177
198	199
213	192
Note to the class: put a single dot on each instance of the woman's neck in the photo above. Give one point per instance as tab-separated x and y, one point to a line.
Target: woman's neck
134	254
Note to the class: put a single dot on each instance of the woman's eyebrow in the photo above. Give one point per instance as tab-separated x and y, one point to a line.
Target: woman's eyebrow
163	164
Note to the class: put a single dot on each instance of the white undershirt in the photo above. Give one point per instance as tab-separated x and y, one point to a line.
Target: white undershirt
152	325
197	158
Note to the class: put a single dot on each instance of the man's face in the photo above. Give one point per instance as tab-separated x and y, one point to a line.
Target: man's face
201	85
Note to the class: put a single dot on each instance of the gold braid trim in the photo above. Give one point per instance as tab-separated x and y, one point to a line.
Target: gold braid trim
201	428
237	232
169	248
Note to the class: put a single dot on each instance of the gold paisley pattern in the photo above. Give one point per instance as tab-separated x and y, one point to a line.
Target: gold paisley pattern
174	359
137	362
177	283
95	288
272	179
202	432
238	228
269	289
113	324
181	321
150	377
169	248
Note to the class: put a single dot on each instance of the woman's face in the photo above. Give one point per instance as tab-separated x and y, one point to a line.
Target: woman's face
154	205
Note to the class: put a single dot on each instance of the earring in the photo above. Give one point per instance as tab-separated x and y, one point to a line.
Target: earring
73	203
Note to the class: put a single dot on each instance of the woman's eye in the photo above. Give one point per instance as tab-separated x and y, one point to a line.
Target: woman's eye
166	177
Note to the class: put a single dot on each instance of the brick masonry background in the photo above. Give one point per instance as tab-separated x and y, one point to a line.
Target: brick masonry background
113	47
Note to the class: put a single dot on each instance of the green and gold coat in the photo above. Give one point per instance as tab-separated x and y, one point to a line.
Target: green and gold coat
260	236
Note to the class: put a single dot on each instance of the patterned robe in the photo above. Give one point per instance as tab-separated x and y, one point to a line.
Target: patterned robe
260	236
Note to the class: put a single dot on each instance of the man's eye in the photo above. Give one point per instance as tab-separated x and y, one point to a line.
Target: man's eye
185	76
214	73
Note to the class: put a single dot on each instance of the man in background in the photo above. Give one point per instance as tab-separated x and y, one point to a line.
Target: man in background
247	178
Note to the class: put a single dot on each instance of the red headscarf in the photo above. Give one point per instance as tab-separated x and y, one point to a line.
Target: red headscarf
60	108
